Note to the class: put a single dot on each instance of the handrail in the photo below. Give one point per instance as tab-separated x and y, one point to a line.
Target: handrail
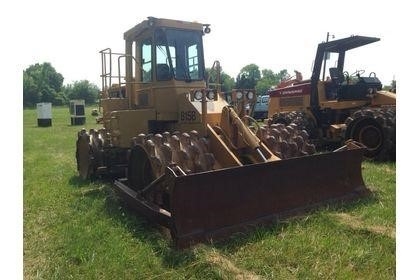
119	68
119	74
106	74
104	68
216	64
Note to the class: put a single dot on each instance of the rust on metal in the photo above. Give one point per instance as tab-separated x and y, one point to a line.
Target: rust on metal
190	161
212	205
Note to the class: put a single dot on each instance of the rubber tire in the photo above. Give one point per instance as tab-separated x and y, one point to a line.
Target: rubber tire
385	117
370	133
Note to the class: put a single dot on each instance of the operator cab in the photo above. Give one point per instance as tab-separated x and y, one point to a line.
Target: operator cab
164	60
166	50
341	85
178	55
357	87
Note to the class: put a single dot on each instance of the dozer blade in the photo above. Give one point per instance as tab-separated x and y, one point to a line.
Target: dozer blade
213	205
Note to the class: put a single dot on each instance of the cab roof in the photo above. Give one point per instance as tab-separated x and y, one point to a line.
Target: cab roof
342	45
153	22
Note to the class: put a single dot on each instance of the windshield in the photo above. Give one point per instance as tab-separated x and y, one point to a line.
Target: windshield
179	55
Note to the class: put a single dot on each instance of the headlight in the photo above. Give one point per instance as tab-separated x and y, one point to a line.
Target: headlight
239	94
198	95
250	95
210	95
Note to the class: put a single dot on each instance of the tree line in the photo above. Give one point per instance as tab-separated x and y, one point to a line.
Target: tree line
42	83
249	77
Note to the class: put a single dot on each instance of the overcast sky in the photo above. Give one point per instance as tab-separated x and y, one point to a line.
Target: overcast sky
70	34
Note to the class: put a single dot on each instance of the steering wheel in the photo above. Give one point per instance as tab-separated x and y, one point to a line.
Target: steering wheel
372	74
346	75
358	73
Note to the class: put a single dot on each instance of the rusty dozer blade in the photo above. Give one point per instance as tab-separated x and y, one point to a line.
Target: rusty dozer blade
212	205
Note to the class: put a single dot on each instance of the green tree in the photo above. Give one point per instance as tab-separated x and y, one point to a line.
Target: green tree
248	77
391	87
60	99
394	86
31	95
82	90
41	83
227	81
268	80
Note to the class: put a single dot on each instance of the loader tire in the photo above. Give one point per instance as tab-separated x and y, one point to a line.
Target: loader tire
393	136
374	128
139	170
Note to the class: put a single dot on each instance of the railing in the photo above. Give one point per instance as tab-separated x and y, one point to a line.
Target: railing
107	75
106	72
217	83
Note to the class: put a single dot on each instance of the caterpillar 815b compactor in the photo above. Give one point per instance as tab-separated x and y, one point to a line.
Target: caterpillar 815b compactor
186	159
344	106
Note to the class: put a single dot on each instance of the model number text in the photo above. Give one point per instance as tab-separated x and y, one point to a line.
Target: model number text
188	116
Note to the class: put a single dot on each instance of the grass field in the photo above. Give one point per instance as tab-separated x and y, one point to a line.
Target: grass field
79	230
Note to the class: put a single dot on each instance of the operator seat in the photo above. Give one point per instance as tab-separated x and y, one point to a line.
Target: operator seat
162	72
331	88
336	76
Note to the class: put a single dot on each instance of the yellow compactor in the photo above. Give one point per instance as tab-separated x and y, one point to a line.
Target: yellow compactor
340	107
182	157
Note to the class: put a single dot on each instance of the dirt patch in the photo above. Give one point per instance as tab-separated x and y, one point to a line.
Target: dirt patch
224	263
356	223
389	170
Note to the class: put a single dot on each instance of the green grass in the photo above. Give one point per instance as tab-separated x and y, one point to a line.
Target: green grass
80	230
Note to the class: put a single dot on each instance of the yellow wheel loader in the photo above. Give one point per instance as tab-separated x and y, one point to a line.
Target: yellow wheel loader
184	158
344	106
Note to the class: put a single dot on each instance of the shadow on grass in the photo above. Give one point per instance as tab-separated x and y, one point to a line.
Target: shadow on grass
162	243
256	234
158	238
76	181
146	232
155	236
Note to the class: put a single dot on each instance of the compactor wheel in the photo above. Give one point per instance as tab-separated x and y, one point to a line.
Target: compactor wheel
299	119
374	128
286	141
84	155
139	171
288	134
89	152
152	153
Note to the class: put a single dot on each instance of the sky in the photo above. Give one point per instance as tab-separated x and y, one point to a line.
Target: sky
69	35
274	35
